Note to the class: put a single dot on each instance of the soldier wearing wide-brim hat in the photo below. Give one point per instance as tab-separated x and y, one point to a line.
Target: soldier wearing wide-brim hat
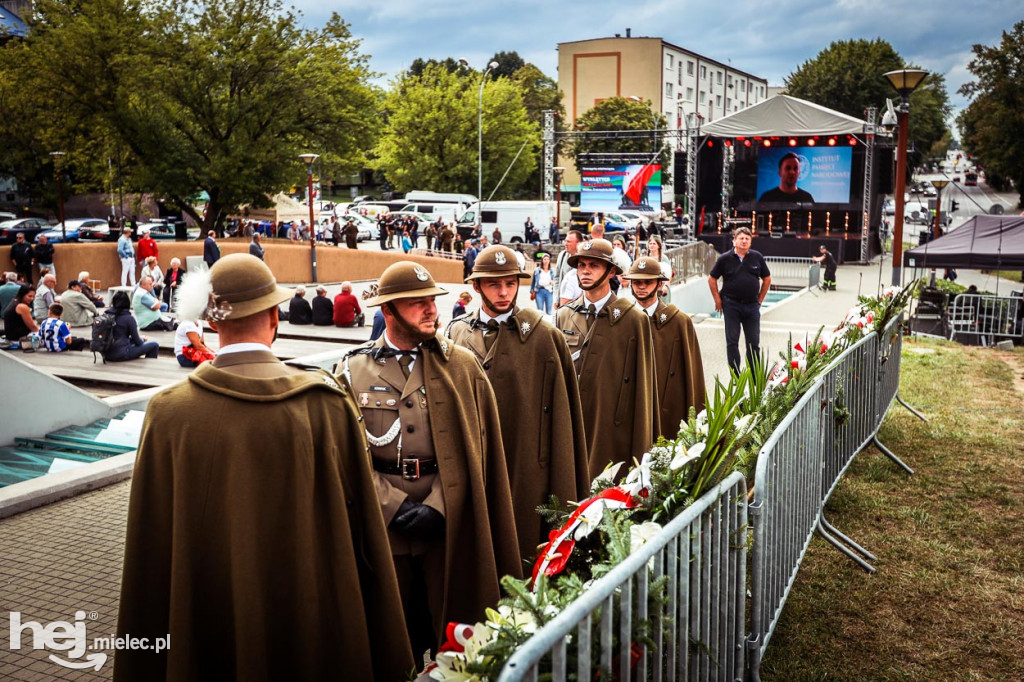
529	366
677	359
243	463
435	443
613	353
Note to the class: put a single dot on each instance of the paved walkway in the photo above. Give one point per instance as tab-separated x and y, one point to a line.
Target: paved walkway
66	557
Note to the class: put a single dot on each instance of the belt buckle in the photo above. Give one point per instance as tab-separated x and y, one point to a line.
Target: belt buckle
411	469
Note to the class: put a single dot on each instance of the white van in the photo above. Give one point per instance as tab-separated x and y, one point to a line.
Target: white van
447	212
427	197
510	217
369	210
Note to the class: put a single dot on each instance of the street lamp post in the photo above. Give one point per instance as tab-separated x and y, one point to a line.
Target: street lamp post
480	145
939	185
905	81
308	159
57	158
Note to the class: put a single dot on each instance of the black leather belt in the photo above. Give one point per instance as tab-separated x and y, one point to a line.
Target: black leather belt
410	469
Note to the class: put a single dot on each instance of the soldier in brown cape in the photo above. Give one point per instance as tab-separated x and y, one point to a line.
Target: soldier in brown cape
613	352
254	538
446	237
435	444
351	232
528	363
677	361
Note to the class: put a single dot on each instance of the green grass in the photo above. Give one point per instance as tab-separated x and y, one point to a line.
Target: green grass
947	602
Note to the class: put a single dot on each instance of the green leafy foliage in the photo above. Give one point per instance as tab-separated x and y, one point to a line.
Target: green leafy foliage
848	76
622	114
192	95
992	126
430	139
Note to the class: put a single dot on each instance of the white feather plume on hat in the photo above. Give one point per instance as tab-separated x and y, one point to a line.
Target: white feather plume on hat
193	295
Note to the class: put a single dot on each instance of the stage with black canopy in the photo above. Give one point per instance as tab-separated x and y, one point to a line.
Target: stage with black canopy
843	173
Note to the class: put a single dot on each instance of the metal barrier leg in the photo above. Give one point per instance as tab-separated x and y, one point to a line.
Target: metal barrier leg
753	658
842	548
912	410
890	454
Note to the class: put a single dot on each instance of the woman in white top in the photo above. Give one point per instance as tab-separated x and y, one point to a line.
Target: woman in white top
654	250
543	284
189	347
152	268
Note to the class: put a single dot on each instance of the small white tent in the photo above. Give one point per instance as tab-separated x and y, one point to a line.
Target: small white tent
784	116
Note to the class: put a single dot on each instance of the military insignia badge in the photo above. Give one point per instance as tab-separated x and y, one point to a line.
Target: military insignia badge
331	382
663	317
641	265
525	326
421	274
499	258
364	399
444	347
616	313
587	246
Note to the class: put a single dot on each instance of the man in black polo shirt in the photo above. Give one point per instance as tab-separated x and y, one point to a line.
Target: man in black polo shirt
745	281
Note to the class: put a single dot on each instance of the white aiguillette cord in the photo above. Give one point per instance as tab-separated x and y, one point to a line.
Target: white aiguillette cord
389	436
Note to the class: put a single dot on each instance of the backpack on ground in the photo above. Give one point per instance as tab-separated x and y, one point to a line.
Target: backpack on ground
102	335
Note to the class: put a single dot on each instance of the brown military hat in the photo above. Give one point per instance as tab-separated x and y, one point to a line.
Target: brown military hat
404	279
497	261
242	285
598	249
646	267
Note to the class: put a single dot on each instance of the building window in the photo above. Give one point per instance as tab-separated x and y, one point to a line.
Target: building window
719	73
728	102
670	62
689	94
703	97
689	68
703	72
668	89
680	73
718	100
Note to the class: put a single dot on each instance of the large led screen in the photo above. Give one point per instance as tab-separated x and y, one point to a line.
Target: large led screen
620	188
804	175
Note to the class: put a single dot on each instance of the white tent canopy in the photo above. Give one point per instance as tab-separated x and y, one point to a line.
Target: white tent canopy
784	116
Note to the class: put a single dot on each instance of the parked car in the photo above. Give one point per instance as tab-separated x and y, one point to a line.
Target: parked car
929	191
617	222
100	232
4	215
30	227
164	231
72	228
916	212
889	207
640	218
421	219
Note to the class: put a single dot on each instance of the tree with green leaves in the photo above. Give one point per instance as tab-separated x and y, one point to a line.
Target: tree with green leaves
194	95
429	138
614	118
848	76
508	64
992	126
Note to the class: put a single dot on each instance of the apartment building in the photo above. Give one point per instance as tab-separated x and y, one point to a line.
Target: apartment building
676	80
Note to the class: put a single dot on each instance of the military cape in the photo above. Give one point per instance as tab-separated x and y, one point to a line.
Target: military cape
615	367
254	536
466	434
542	431
678	366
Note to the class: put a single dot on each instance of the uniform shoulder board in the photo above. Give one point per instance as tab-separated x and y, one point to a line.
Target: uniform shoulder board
362	350
302	366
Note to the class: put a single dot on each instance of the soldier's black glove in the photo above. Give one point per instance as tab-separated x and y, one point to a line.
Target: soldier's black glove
418	521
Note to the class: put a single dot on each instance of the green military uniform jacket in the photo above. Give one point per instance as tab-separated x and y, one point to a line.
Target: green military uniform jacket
678	366
541	415
458	406
254	537
615	366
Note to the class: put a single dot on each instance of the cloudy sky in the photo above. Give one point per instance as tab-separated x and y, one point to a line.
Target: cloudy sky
766	39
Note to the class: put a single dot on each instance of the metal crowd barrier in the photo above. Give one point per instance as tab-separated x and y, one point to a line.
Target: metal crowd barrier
984	319
701	556
801	464
702	551
802	271
692	260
